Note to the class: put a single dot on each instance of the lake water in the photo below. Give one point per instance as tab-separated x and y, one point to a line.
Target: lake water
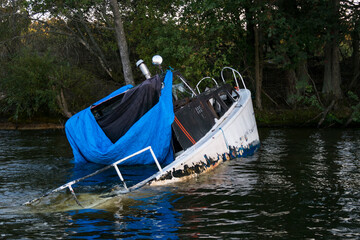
301	184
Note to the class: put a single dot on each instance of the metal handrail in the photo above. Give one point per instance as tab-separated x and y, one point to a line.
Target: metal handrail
233	71
197	85
69	184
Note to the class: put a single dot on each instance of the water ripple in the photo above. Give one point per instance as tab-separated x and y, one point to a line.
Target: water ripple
301	184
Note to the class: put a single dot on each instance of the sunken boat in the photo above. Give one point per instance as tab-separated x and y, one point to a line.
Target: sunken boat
181	130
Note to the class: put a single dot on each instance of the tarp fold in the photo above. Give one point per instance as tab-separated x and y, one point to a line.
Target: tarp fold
90	143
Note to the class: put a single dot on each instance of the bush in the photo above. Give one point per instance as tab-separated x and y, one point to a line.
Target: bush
31	84
27	85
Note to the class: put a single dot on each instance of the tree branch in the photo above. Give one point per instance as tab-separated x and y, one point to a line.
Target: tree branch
325	112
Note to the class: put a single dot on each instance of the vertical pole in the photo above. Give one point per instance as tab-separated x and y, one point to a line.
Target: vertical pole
156	161
120	176
74	195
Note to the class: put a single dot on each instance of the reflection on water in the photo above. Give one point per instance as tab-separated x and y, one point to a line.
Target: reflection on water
302	183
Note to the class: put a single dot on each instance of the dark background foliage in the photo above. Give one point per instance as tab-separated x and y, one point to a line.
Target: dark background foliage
299	58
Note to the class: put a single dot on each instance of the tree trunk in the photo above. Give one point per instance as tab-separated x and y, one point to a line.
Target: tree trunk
258	68
336	74
122	44
355	57
62	103
291	78
332	77
291	84
327	83
302	73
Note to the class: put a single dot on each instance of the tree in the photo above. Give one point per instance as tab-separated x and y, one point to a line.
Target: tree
356	55
216	34
332	75
14	22
258	54
121	41
289	37
294	60
292	36
89	22
354	9
28	86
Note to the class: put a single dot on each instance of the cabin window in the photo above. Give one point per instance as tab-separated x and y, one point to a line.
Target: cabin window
235	95
227	99
180	92
215	107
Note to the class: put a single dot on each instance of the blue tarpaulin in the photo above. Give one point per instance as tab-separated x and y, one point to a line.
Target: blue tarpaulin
89	142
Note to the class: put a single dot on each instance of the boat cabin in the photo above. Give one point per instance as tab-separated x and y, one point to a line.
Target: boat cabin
195	116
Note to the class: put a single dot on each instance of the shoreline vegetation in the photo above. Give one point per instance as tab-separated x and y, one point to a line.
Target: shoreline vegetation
277	118
299	59
33	124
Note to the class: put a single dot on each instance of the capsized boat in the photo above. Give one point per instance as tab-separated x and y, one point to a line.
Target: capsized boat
183	131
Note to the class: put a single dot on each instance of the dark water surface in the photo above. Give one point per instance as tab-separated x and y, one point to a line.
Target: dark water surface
301	184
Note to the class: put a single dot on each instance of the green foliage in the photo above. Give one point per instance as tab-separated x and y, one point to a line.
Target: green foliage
14	21
332	118
355	106
66	7
214	37
196	37
293	30
32	85
353	96
81	88
305	96
28	86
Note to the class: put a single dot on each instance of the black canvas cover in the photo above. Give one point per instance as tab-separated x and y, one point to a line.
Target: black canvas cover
116	115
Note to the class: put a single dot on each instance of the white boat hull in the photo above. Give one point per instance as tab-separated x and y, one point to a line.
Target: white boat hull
234	135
